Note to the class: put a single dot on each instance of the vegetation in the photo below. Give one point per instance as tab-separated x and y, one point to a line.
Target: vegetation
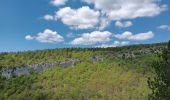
18	59
118	79
160	84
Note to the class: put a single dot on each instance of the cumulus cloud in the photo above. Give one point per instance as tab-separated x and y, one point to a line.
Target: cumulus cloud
129	9
123	24
29	37
48	17
114	44
103	23
82	18
137	37
92	38
48	36
164	27
105	11
58	2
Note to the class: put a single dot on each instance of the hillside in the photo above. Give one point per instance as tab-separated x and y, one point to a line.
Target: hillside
78	73
18	59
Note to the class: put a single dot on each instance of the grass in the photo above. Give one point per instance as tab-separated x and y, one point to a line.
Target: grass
111	79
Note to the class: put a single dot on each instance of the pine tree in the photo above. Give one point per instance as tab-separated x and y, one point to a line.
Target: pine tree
160	84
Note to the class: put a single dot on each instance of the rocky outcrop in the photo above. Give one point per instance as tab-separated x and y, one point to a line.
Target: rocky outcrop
96	59
69	63
25	70
134	54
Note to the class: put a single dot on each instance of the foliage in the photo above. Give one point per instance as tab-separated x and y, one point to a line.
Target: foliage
110	79
19	59
118	79
160	84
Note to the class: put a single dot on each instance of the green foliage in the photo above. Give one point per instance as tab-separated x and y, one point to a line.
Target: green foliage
169	45
15	59
110	79
160	84
118	79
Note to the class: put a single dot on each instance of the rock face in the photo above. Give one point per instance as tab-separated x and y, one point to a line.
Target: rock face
96	59
25	70
136	53
69	63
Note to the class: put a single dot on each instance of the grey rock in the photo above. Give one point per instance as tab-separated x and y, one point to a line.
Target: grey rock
96	58
69	63
27	69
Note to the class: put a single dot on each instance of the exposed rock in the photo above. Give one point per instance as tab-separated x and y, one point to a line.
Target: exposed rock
96	58
25	70
69	63
136	53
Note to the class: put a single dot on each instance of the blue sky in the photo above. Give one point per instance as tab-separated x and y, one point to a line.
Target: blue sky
44	24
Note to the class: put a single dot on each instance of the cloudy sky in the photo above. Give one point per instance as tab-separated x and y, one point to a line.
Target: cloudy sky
43	24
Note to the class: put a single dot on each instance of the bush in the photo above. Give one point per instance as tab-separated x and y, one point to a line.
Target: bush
160	84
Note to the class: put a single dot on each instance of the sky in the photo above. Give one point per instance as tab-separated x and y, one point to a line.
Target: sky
44	24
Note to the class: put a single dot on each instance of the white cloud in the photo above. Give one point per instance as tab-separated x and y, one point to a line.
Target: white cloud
137	37
105	46
48	36
114	44
128	9
103	23
58	2
120	43
123	24
48	17
106	11
29	37
82	18
92	38
164	27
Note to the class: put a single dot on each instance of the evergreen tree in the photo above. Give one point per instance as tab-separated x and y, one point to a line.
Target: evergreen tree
160	84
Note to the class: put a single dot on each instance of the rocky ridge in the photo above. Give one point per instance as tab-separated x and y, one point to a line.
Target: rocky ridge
27	69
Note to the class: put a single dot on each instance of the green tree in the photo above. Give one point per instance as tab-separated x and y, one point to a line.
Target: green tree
160	84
